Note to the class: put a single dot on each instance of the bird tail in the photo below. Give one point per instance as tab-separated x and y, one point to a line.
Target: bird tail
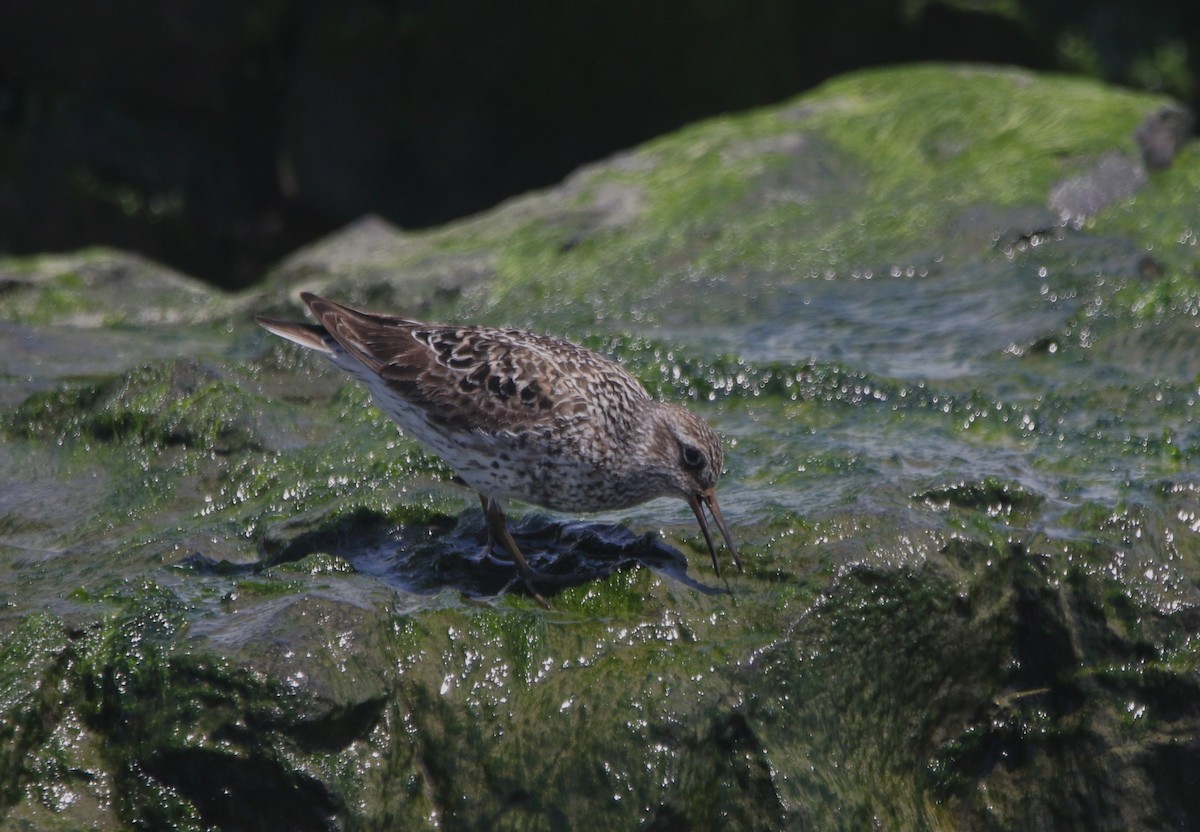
313	336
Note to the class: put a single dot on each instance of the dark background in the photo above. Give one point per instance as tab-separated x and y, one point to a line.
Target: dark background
218	135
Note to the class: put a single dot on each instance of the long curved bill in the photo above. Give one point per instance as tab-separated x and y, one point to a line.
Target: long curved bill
709	499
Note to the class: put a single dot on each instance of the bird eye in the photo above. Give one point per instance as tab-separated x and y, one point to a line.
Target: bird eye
693	458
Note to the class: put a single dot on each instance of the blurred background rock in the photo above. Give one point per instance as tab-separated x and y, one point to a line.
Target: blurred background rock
219	135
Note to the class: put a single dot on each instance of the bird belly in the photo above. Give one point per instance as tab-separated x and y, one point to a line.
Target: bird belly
538	478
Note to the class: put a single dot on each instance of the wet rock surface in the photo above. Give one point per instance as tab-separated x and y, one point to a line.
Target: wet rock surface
960	440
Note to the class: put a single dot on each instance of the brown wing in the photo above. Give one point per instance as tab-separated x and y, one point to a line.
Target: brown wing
478	378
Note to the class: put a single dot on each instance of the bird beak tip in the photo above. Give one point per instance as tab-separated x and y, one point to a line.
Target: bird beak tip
709	498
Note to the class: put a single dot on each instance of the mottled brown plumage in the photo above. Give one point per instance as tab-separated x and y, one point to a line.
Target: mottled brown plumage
521	415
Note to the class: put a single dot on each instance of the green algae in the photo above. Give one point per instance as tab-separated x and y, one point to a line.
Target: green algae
31	666
902	131
99	287
175	404
992	495
1161	218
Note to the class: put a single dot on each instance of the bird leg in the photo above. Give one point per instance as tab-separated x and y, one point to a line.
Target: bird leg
488	554
498	530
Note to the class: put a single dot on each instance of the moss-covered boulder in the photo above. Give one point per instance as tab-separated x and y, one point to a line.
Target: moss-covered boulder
947	320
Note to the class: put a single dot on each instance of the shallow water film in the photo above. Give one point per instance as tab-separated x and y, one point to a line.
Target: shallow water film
960	418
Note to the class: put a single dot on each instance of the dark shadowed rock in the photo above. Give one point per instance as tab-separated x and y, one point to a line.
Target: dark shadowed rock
1163	134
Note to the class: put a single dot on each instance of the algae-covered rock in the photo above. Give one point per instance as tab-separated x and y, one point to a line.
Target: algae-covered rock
178	403
960	425
101	288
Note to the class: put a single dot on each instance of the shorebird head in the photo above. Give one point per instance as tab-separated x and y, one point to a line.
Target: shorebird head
691	452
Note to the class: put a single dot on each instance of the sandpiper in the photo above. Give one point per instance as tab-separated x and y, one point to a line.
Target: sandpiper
523	416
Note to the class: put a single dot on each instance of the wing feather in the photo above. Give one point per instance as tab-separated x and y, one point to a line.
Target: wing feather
483	379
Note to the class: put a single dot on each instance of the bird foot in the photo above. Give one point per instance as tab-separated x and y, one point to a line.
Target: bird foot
495	558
